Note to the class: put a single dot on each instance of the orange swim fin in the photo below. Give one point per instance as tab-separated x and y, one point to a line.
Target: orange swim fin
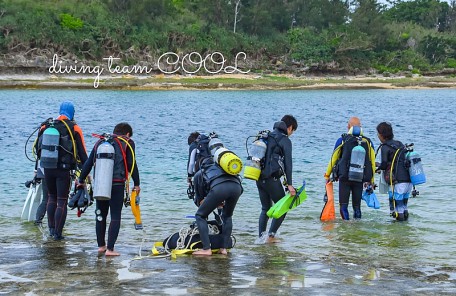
328	212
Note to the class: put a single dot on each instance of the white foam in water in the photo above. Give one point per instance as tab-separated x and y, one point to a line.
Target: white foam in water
6	277
310	282
263	238
175	291
125	274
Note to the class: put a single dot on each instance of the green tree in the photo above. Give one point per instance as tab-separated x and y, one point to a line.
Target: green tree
431	14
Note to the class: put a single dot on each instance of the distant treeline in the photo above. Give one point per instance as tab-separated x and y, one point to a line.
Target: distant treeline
324	35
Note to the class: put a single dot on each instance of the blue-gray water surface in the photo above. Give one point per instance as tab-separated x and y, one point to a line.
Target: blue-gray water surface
374	255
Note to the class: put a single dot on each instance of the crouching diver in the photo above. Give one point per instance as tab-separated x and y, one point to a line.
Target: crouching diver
114	158
213	186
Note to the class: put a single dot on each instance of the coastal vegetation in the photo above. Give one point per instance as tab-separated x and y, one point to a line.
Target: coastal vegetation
278	36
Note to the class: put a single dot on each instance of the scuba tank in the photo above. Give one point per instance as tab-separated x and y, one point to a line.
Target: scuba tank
49	148
415	167
214	143
254	160
225	158
104	169
356	167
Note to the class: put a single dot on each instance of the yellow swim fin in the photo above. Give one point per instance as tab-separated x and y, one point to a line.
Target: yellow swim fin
134	203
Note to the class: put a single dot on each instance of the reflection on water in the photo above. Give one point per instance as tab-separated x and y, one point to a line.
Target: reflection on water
125	274
373	255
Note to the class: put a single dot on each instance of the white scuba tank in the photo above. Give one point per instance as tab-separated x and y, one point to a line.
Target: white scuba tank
214	145
104	169
416	172
50	148
356	167
253	166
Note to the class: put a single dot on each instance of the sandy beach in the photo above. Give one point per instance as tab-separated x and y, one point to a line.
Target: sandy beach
222	82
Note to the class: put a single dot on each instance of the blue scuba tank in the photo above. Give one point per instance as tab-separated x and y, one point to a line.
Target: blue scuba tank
50	148
356	167
104	169
416	172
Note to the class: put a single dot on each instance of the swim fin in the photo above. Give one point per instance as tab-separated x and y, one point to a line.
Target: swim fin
328	213
75	197
370	198
134	203
288	202
32	201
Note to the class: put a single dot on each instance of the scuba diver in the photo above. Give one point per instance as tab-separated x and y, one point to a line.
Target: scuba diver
61	150
113	157
352	163
396	164
217	186
277	163
213	187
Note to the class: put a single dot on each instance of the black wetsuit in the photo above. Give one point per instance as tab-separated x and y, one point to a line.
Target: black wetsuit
270	188
346	186
216	187
58	180
115	204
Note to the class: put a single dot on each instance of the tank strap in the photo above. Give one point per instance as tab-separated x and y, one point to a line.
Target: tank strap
105	155
49	147
124	156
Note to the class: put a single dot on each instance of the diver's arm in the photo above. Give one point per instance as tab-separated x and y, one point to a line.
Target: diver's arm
87	166
384	158
80	144
332	162
135	172
288	159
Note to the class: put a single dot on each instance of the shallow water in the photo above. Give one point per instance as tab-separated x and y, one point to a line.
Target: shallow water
374	255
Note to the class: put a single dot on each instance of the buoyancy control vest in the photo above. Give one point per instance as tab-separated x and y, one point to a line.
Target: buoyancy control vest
274	158
210	175
400	171
58	152
346	162
198	154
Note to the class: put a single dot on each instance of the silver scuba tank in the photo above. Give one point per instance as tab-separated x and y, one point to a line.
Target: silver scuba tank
215	144
50	148
356	167
104	169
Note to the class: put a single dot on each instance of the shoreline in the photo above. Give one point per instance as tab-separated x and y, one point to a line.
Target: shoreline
223	82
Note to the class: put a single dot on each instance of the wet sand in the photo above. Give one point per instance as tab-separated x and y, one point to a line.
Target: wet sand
35	265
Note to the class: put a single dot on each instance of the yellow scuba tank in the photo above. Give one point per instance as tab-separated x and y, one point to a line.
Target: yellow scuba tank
229	161
257	151
134	203
225	158
104	168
